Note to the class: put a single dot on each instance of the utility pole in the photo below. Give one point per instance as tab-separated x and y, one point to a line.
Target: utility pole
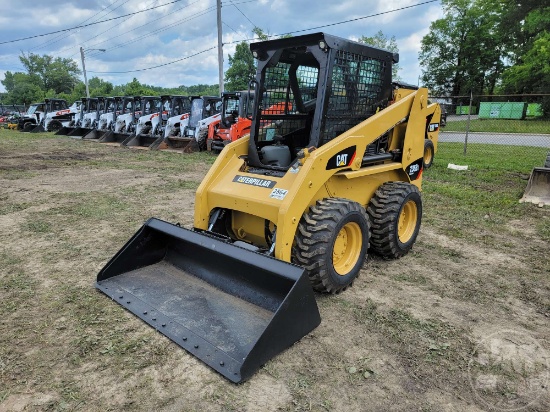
220	45
84	68
84	71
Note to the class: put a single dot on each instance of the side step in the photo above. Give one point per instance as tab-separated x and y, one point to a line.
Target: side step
232	308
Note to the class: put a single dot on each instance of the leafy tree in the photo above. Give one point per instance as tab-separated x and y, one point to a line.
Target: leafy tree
99	87
21	88
526	28
381	41
59	75
262	36
135	88
242	68
464	51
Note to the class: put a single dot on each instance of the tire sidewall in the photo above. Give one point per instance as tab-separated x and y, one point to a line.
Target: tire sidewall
428	144
405	247
347	279
54	126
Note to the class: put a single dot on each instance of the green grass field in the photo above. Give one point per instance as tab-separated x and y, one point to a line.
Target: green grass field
423	333
498	126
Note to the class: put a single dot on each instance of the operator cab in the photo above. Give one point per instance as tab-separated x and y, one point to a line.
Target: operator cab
310	91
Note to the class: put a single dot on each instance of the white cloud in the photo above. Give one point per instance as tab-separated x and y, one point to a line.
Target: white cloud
165	36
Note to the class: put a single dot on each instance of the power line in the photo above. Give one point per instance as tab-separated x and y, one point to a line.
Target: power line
159	30
240	11
60	36
340	22
160	65
110	28
296	31
89	24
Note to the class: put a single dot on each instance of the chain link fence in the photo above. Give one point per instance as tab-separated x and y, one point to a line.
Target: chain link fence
517	123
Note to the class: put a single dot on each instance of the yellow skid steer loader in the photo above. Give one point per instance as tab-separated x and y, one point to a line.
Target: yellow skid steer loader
294	207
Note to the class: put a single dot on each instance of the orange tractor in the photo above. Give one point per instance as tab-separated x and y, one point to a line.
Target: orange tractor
236	119
233	123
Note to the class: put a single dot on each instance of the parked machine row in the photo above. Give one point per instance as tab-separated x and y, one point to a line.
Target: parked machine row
176	123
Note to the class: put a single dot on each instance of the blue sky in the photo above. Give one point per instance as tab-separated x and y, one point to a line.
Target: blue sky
188	27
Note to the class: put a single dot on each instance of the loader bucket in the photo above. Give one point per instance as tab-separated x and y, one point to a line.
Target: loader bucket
64	131
38	129
232	308
95	134
143	141
112	137
79	132
538	187
177	144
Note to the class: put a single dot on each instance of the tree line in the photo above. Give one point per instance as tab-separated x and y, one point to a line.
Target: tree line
479	46
489	47
48	77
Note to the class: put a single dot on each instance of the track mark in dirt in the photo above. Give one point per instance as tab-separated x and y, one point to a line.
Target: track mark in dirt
22	402
36	161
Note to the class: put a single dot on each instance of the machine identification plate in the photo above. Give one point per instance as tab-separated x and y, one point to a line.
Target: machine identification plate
433	127
278	193
414	170
254	181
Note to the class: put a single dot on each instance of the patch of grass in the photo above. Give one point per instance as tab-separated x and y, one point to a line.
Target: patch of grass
482	197
17	174
37	226
8	208
410	277
543	228
183	184
498	125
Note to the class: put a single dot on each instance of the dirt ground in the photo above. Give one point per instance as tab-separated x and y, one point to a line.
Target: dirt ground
456	325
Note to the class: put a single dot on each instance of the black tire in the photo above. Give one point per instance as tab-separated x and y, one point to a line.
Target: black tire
547	163
28	126
327	226
201	139
54	126
429	153
395	213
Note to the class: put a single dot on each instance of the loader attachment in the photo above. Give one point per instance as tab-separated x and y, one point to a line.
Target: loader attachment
538	187
176	144
144	141
79	132
64	131
113	137
232	308
38	129
95	134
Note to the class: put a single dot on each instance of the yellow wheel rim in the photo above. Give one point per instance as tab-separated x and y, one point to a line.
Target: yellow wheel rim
347	248
428	155
407	221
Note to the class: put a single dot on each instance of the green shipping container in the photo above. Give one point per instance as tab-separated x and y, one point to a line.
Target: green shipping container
464	110
502	110
534	110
